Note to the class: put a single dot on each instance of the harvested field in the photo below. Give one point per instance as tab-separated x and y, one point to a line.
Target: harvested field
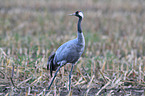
114	59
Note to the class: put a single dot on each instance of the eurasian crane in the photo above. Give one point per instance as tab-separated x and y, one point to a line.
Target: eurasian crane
69	52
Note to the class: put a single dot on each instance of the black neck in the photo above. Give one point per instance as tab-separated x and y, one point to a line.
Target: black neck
79	25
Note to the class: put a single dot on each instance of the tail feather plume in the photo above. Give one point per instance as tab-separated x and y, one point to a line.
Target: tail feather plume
50	64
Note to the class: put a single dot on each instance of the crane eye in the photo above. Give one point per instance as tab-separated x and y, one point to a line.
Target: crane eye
77	12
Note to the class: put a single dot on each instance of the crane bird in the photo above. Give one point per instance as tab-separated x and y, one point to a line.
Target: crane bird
69	52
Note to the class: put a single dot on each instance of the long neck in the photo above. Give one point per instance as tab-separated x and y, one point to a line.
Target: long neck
79	25
80	36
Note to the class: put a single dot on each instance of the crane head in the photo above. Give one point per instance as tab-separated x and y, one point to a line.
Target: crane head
78	14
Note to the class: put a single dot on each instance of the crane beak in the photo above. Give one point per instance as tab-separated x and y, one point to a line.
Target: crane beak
72	14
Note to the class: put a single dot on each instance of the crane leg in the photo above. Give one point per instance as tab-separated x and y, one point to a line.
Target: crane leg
54	76
70	77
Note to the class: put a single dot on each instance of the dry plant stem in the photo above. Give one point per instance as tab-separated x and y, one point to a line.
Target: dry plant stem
35	81
12	71
87	91
81	74
2	74
103	76
7	94
42	93
86	72
102	88
89	85
70	93
123	90
48	94
90	81
13	83
3	52
24	81
54	88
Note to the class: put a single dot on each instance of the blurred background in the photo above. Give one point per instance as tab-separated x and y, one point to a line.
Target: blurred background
114	32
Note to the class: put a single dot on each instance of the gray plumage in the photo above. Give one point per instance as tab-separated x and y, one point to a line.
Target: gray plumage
69	52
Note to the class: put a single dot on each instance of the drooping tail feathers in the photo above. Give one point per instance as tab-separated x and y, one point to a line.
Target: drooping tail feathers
50	65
